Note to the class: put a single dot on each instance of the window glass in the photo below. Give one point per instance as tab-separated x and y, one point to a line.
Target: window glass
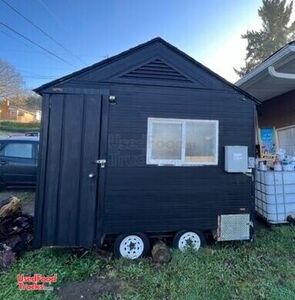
200	143
286	138
182	142
21	150
166	141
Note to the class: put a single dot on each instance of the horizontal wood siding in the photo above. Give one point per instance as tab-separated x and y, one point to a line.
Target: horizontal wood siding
141	197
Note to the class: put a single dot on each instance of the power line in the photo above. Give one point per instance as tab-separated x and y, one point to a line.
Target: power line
14	38
41	30
50	12
33	73
29	70
19	39
39	77
37	45
29	74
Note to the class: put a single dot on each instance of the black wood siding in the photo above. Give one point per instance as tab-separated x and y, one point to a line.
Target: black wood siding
128	195
141	197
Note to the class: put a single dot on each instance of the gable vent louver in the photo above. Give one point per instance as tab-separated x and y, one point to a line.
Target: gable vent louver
158	70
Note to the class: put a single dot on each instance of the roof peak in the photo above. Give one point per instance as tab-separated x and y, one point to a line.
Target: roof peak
104	61
136	48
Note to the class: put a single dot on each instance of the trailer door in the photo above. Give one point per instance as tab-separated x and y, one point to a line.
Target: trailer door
72	165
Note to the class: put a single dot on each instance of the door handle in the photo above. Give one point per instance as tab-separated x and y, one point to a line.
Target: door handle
3	162
91	175
101	162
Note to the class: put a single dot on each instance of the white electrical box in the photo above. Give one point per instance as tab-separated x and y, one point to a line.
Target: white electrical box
236	159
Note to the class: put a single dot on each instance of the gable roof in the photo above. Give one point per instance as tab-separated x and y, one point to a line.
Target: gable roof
135	49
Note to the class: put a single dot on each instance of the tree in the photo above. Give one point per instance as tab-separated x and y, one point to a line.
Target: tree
27	100
33	102
275	33
10	81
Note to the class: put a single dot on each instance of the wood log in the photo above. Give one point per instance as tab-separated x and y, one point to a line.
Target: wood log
12	207
4	201
161	253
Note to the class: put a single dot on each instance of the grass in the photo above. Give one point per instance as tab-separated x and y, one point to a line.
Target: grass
12	126
263	269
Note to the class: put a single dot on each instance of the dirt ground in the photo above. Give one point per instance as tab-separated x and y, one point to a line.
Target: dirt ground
27	197
91	289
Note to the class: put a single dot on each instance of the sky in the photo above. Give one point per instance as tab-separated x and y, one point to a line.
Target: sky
85	32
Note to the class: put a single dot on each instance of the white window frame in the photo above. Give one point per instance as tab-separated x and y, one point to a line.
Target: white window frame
282	129
178	162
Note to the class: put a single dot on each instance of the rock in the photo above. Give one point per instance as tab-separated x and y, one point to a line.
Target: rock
161	253
7	256
16	231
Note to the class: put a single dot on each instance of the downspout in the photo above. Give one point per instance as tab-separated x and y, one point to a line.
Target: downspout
272	72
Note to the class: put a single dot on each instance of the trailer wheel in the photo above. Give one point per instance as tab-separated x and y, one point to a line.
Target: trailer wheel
185	239
131	246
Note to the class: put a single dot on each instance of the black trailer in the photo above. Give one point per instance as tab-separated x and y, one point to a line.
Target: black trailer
148	142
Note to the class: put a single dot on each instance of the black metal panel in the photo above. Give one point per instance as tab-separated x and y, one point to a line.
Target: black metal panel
68	196
89	209
68	193
51	178
103	147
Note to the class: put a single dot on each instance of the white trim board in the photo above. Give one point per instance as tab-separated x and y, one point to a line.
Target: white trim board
181	161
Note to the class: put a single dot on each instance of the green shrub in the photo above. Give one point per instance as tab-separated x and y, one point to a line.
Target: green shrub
12	126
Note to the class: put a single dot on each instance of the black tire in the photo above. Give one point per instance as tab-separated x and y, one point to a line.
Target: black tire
179	234
119	240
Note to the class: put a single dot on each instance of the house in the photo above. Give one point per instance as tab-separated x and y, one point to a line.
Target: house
273	83
10	112
146	143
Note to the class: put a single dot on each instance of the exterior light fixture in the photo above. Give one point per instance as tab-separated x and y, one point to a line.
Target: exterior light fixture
112	99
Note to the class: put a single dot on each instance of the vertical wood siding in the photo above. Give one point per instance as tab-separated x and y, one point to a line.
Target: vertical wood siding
66	194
